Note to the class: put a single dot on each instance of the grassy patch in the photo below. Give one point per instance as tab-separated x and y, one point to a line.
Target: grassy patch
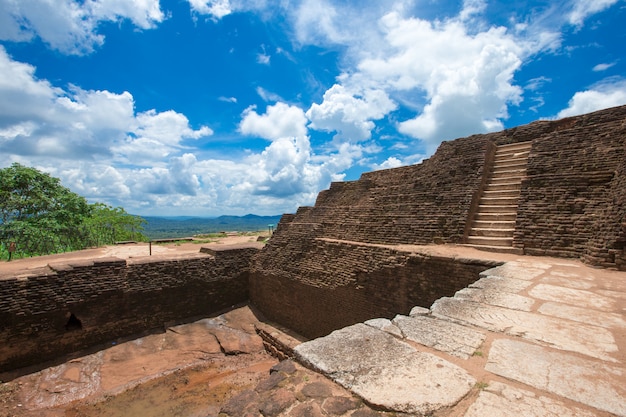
481	385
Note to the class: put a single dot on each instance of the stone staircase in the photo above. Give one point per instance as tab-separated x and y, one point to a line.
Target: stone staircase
494	222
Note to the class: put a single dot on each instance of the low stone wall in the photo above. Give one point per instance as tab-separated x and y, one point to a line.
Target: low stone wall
78	305
342	283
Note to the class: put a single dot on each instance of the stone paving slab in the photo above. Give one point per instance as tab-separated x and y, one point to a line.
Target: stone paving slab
496	298
583	315
587	381
593	341
385	325
500	284
570	280
518	270
502	400
442	335
575	297
385	371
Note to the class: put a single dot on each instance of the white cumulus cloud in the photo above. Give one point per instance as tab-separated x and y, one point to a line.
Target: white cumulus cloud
71	26
606	94
215	8
456	72
350	113
279	121
464	80
37	118
100	147
391	162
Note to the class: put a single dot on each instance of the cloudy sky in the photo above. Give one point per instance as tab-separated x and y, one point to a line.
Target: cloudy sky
210	107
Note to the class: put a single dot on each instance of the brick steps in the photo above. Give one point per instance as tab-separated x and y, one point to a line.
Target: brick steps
491	232
490	241
493	225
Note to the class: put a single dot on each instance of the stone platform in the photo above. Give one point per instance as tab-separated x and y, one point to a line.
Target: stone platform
532	337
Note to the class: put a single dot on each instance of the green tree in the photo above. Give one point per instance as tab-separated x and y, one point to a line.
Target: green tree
41	216
113	224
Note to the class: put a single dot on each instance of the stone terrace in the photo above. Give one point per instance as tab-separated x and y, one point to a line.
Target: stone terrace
339	263
534	336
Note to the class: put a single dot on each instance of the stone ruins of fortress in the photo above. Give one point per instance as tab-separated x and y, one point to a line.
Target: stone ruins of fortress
550	188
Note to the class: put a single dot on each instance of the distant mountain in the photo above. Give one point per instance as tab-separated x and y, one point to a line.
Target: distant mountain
183	226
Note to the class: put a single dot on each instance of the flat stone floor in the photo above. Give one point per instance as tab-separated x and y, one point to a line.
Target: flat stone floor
533	337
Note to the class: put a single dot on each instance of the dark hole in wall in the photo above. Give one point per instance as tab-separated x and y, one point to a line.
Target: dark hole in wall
73	323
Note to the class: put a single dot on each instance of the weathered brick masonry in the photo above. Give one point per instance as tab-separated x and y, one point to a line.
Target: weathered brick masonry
341	262
341	283
113	298
572	204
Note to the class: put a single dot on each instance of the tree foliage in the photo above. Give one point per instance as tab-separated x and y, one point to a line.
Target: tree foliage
42	216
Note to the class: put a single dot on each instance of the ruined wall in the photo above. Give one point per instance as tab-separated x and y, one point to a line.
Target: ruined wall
573	204
337	284
573	200
414	204
113	298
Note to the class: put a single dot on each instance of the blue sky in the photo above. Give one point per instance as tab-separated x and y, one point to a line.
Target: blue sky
210	107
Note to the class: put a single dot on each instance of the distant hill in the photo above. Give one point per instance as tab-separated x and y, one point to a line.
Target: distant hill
183	226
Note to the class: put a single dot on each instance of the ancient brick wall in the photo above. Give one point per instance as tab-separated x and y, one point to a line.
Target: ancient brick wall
336	284
113	298
573	204
414	204
573	200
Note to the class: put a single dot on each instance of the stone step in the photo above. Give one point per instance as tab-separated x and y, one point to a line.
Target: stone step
496	217
498	201
381	369
560	373
504	186
491	232
507	157
510	163
490	241
512	151
582	339
503	192
516	175
494	221
496	249
484	209
515	146
506	180
521	154
508	170
485	224
442	335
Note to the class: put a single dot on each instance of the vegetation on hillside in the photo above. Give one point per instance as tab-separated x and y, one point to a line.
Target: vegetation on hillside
39	216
